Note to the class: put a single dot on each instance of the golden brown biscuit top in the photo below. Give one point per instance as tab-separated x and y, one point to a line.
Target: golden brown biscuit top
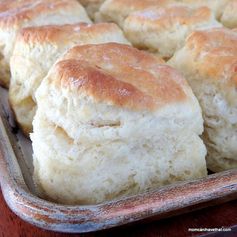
128	6
125	7
215	52
60	34
27	12
120	75
169	15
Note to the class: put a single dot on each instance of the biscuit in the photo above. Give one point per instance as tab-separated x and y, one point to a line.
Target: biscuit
37	49
36	13
118	10
209	62
163	30
113	121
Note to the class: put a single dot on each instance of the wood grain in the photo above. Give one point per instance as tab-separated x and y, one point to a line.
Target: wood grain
218	216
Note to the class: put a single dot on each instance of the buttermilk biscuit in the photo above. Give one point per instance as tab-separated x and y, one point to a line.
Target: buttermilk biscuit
40	12
229	16
114	121
209	62
37	48
163	30
91	6
117	10
6	5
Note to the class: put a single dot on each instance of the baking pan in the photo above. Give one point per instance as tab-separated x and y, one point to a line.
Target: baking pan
21	194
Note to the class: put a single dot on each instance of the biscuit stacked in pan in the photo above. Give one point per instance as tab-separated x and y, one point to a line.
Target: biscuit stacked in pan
162	30
113	121
37	49
110	120
33	13
209	62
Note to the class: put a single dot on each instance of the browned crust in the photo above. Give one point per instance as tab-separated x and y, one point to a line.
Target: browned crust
163	17
56	33
102	86
120	75
19	15
215	52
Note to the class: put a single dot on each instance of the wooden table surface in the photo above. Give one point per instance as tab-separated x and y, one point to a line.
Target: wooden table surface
224	215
